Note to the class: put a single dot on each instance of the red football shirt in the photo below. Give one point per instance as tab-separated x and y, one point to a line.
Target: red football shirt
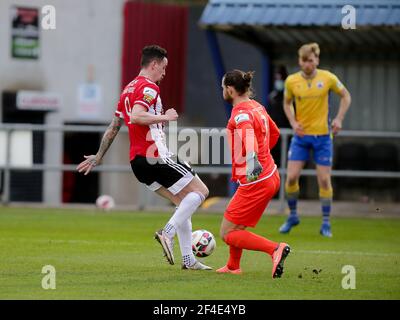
250	128
145	140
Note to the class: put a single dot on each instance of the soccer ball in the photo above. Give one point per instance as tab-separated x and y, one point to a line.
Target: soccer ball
105	202
203	243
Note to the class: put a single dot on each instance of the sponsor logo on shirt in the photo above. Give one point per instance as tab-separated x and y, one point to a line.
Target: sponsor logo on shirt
149	94
242	117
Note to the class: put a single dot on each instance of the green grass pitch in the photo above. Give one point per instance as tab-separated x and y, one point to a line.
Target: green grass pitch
113	255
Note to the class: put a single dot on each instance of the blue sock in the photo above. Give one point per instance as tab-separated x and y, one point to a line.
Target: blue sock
326	209
292	206
292	194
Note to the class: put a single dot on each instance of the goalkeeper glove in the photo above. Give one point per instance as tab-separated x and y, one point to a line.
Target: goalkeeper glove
253	167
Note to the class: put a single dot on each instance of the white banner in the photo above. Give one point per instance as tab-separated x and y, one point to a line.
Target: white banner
38	100
21	148
90	101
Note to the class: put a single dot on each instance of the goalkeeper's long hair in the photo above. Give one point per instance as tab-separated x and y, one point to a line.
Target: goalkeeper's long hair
241	81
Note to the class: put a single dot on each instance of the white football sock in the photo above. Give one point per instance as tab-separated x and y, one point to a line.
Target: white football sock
185	242
187	207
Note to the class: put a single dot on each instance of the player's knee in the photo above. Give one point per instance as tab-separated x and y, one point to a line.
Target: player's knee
202	188
199	188
205	192
325	183
223	233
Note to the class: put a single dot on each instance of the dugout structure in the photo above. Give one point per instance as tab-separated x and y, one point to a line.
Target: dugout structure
365	56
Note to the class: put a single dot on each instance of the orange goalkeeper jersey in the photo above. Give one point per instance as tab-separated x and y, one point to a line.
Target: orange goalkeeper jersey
250	128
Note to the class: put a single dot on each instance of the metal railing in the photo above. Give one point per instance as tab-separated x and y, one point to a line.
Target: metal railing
208	169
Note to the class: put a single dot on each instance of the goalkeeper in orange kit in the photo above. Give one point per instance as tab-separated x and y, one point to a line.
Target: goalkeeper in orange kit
252	134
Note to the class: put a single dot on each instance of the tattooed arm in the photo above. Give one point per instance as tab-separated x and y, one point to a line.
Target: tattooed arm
93	160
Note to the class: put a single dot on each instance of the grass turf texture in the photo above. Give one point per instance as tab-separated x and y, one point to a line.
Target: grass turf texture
113	255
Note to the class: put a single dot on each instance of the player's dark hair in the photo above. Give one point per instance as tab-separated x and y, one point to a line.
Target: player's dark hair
153	52
240	80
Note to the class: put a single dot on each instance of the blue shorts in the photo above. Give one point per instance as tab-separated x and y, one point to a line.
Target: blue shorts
321	146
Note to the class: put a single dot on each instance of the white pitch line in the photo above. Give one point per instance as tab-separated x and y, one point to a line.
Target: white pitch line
354	253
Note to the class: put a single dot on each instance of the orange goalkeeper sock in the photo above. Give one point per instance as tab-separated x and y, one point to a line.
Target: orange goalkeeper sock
234	257
250	241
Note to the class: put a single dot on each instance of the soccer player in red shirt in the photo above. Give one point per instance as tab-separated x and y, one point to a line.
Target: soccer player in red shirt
251	134
141	109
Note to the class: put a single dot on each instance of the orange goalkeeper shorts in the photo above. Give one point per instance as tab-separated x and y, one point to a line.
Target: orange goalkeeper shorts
249	201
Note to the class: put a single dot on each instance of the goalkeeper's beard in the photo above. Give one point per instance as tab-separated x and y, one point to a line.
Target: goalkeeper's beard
228	98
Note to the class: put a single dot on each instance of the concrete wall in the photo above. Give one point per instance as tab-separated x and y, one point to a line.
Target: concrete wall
87	33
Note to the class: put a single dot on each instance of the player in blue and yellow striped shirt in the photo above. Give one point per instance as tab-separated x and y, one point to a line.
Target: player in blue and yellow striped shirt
309	89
